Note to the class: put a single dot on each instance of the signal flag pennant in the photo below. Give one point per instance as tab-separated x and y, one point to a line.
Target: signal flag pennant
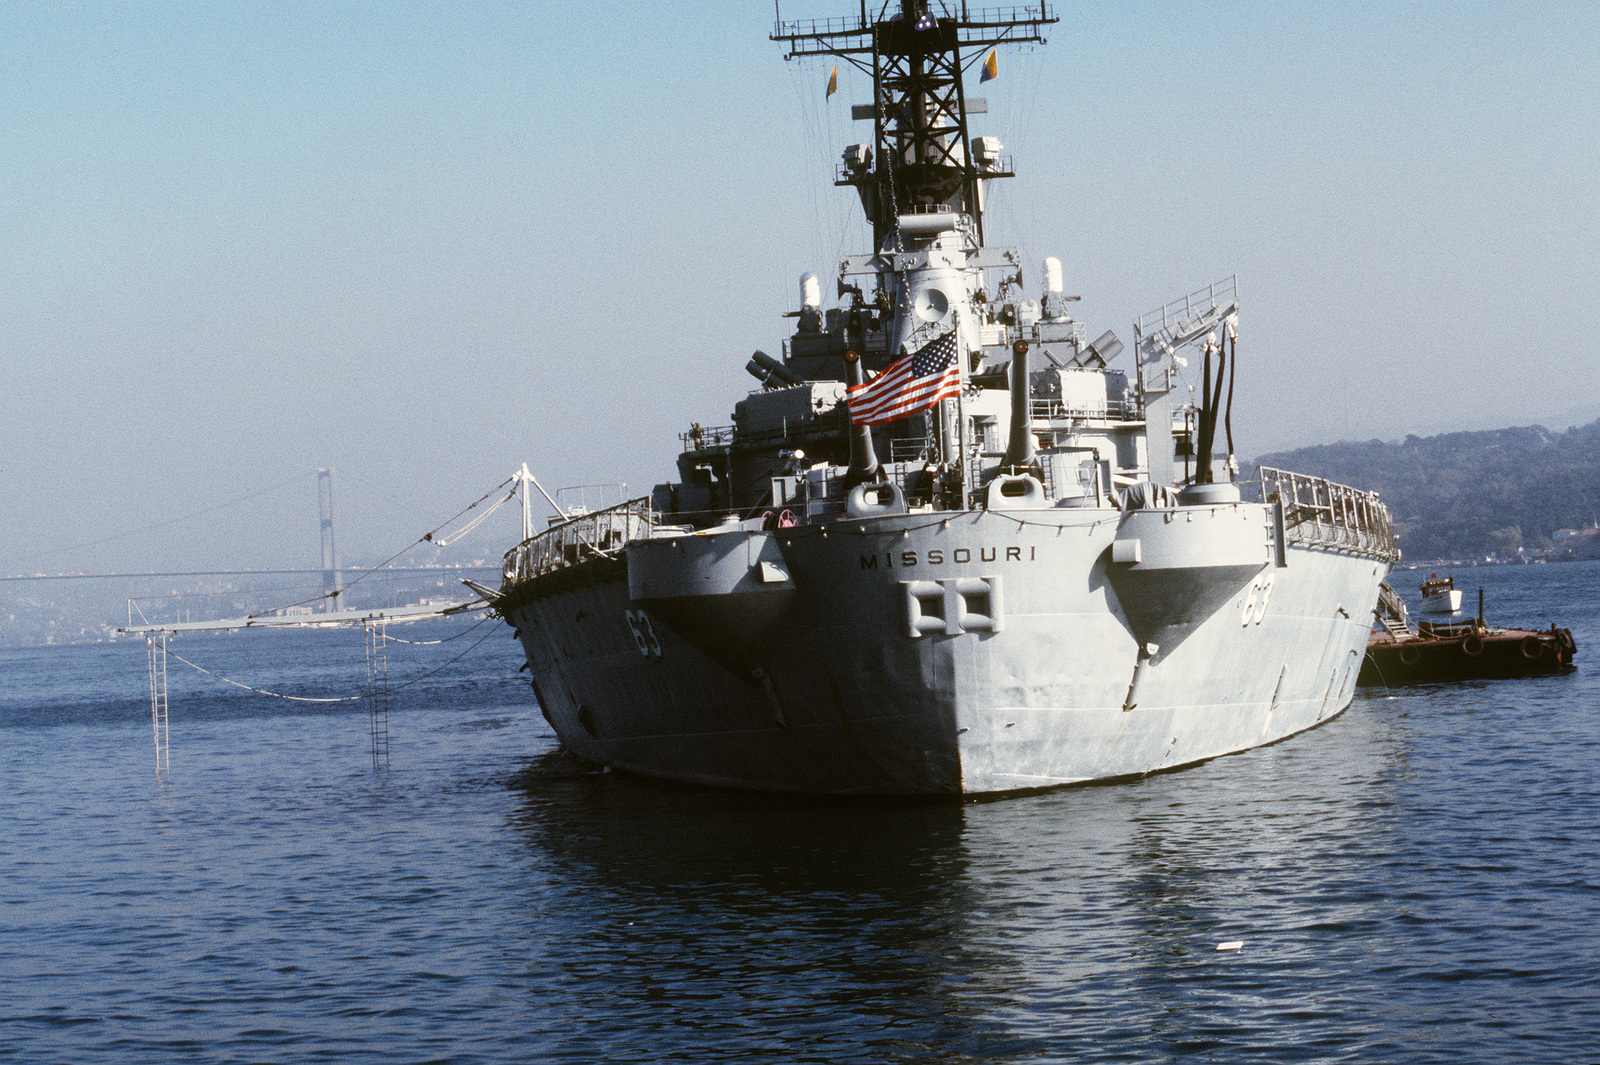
833	82
991	66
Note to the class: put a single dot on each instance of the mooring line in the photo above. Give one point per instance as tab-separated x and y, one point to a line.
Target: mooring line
340	698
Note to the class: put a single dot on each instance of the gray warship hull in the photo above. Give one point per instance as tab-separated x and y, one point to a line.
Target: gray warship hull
959	653
948	547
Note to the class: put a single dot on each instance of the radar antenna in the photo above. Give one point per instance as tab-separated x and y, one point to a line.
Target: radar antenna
923	159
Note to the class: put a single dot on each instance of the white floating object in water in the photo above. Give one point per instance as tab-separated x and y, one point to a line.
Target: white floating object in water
1232	944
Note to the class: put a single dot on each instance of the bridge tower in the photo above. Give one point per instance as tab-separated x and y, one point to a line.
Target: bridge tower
330	551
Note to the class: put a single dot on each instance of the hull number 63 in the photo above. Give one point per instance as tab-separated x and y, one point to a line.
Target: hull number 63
1255	600
644	634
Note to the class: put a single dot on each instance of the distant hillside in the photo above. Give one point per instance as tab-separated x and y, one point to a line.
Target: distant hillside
1461	495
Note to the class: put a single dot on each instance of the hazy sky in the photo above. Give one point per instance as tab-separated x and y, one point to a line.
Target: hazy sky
423	243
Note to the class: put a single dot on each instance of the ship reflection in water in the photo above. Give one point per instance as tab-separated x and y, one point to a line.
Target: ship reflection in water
680	918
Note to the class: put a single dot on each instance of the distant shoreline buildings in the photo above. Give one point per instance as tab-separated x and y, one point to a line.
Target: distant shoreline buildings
1576	544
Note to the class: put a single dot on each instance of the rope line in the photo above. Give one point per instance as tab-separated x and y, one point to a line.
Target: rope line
447	639
446	541
426	537
343	698
441	572
798	531
453	661
469	506
264	691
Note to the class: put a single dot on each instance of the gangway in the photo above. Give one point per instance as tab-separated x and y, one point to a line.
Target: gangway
374	623
377	638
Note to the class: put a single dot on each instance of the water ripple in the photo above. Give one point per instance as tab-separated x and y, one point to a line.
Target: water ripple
1417	881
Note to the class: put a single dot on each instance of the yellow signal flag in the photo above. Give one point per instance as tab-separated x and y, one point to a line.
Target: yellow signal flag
833	82
991	66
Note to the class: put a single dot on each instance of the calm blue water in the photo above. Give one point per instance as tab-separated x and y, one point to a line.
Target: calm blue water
1417	881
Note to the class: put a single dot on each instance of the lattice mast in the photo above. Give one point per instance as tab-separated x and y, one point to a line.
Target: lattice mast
922	160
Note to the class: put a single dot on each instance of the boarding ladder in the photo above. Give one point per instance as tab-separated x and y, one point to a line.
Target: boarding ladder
1391	611
156	651
378	690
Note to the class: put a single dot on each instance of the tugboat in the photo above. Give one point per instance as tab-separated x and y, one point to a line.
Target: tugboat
947	547
1440	595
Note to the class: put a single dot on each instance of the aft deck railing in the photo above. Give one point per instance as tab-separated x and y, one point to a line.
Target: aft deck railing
597	535
1318	511
1046	410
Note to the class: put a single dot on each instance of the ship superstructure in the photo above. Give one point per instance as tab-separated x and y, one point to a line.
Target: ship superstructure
950	545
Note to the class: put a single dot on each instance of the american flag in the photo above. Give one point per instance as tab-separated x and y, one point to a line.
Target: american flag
911	383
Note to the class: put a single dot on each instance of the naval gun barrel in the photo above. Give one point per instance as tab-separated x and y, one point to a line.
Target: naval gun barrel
863	459
771	372
1019	450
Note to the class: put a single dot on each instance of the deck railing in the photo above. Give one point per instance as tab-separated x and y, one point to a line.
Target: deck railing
702	438
601	534
1318	511
1048	410
974	22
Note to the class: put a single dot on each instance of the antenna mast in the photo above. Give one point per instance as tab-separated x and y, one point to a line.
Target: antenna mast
922	160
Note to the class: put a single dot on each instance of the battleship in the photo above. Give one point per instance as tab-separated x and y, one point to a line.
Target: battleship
949	545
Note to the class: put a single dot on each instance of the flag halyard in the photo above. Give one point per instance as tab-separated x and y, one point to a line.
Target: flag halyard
914	382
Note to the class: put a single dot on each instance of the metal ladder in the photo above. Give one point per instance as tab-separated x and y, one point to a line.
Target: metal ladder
156	651
1392	626
1391	611
378	691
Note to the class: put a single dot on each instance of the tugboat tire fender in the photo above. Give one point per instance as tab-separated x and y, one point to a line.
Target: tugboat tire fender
1410	656
1532	647
1472	646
